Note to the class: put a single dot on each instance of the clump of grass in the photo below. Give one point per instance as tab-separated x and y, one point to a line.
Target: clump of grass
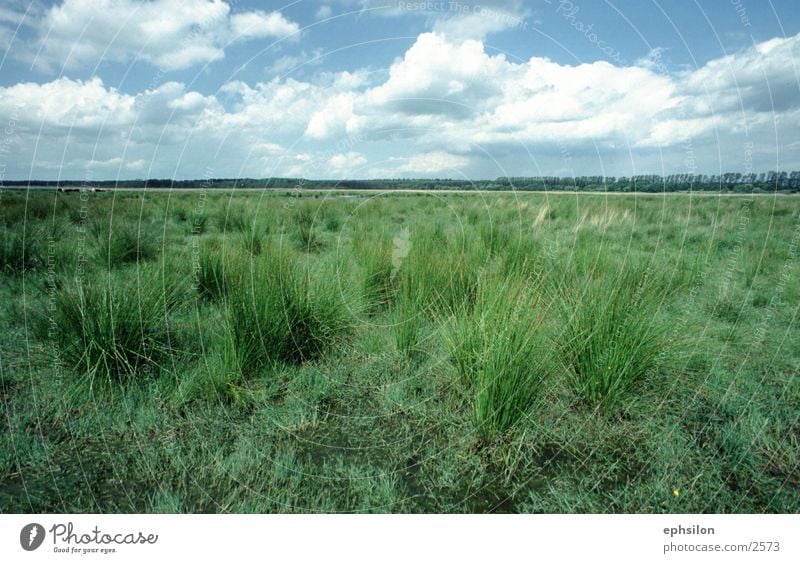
198	223
181	214
498	348
331	216
523	256
306	236
441	273
210	379
614	333
252	240
210	270
407	318
374	253
234	219
333	223
117	326
19	252
278	312
124	243
495	238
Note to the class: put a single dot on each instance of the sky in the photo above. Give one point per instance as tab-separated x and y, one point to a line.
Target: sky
123	89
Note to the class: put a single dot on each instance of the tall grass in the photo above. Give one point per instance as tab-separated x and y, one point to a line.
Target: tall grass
373	251
499	349
279	312
121	243
407	320
442	273
233	218
210	270
615	335
116	326
253	239
305	233
19	252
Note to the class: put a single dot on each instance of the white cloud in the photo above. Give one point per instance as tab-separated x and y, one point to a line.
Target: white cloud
251	25
332	117
170	34
446	105
65	103
289	64
432	162
324	12
346	163
440	77
479	23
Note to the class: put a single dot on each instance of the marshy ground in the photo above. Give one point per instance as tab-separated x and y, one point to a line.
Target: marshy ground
398	352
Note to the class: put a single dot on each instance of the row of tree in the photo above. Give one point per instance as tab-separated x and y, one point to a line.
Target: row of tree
727	182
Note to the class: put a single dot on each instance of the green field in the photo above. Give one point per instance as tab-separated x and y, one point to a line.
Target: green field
281	351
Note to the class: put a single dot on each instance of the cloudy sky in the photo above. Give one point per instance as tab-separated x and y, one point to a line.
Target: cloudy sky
105	89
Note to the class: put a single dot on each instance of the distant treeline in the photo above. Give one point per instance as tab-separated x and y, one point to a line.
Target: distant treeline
729	182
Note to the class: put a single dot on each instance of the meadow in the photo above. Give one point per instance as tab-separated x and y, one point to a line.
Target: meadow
298	351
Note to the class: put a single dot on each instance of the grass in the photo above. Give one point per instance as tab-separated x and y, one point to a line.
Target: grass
499	348
210	269
442	271
305	233
19	251
122	242
278	312
614	335
407	321
373	251
117	326
398	353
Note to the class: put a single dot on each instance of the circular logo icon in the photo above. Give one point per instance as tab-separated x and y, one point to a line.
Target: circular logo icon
31	536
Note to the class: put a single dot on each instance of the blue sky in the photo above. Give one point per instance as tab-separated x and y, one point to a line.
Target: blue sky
104	89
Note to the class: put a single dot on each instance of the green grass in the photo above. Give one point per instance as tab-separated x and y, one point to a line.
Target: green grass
614	334
210	268
373	251
305	234
308	352
500	350
117	326
19	251
279	312
121	242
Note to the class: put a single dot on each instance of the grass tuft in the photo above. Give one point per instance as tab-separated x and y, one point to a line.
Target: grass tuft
19	252
498	348
279	312
614	333
117	326
123	243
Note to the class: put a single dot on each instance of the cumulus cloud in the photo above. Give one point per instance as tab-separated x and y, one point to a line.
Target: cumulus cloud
446	105
65	103
433	162
342	164
170	34
452	94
